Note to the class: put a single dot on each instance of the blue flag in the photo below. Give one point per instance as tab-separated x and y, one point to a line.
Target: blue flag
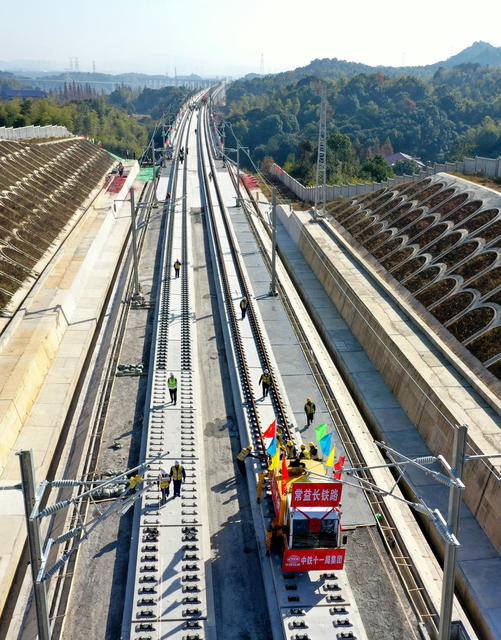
272	447
325	444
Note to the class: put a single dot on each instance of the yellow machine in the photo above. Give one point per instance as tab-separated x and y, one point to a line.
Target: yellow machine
307	522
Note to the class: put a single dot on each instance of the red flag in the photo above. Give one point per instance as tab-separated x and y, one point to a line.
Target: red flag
338	466
285	474
271	430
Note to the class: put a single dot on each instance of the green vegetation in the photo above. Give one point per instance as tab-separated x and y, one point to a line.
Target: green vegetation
110	120
405	167
457	112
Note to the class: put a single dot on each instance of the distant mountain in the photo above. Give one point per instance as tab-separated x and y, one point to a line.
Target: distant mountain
481	53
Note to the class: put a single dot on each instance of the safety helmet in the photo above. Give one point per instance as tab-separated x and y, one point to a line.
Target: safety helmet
289	442
308	399
176	463
249	447
266	371
303	446
311	444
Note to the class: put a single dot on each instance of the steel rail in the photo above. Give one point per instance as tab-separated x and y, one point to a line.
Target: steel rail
147	579
282	418
237	340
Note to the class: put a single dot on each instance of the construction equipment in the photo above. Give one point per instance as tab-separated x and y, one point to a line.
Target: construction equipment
307	523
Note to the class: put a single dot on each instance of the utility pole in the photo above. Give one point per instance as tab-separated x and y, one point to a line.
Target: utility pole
239	202
34	543
134	242
321	155
273	291
449	577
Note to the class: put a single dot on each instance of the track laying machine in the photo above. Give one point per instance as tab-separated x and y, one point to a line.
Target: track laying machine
307	522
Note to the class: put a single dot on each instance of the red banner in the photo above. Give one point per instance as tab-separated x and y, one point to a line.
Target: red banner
316	494
275	493
313	559
116	184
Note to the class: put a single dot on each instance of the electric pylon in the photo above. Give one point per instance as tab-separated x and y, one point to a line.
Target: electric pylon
321	156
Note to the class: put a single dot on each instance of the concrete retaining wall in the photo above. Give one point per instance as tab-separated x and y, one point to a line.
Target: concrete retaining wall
432	397
470	166
25	133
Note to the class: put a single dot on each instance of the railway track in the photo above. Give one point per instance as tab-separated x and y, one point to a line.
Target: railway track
307	605
166	591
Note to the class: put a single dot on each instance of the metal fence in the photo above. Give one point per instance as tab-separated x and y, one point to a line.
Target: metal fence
484	166
25	133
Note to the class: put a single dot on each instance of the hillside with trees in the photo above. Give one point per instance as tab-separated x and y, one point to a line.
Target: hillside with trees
122	121
455	112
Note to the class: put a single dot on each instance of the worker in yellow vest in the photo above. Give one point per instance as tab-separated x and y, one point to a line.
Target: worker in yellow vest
177	268
172	382
178	476
163	485
290	450
314	452
134	481
243	306
309	409
265	379
246	452
304	454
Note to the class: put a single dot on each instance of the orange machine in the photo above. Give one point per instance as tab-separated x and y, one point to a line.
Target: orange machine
307	522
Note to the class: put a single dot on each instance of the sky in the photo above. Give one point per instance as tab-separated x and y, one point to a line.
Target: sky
228	37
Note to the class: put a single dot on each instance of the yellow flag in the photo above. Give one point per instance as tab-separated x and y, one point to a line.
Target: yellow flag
330	460
275	460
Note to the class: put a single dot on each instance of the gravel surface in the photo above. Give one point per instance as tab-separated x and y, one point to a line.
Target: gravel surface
383	605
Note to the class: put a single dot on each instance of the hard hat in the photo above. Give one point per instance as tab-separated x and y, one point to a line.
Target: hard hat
311	444
249	447
163	470
289	442
303	446
266	371
308	399
176	463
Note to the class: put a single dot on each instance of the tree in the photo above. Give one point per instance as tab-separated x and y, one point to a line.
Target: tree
375	169
266	163
405	167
